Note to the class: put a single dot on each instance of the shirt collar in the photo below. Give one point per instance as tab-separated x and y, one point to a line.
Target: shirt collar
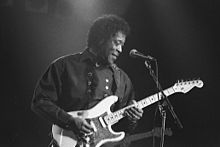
87	55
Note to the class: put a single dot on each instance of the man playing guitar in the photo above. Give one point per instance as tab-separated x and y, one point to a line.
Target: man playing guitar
80	81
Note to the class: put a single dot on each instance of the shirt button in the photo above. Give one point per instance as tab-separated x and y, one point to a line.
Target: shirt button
89	90
105	95
107	80
106	87
96	64
89	82
89	73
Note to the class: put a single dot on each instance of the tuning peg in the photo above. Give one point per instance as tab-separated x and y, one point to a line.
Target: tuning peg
182	82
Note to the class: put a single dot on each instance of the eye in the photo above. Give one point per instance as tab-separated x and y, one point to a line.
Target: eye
118	42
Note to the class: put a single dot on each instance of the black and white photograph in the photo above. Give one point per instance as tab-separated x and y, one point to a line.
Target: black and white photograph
110	73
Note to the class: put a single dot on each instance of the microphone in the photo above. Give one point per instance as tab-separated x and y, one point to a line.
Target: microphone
134	53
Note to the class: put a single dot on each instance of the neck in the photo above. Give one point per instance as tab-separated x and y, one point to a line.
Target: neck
98	58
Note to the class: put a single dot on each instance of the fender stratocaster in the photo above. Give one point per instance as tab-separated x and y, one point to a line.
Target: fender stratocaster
101	118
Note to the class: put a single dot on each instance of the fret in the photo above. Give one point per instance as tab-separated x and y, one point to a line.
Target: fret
168	91
140	104
114	117
155	98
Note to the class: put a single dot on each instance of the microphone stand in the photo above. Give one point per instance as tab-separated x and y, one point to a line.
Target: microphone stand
166	102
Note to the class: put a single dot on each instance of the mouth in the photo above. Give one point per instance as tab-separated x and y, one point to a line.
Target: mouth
115	54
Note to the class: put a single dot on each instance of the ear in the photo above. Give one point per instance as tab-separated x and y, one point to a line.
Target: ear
101	42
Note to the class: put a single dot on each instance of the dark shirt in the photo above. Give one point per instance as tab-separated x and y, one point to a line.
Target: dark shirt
78	82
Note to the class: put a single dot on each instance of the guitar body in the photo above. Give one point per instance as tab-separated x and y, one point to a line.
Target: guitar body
103	133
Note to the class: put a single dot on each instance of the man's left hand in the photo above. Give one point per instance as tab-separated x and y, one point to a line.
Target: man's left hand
134	113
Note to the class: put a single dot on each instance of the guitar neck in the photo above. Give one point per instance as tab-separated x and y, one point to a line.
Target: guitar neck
154	98
117	115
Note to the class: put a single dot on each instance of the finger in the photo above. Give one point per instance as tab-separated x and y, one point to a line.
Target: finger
135	103
135	113
131	116
85	130
138	110
87	126
127	113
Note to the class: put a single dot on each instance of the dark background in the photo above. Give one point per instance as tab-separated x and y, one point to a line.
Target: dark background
182	35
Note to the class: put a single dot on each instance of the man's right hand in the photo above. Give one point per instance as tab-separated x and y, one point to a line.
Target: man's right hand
81	126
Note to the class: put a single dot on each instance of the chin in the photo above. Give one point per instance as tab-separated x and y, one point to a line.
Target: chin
111	60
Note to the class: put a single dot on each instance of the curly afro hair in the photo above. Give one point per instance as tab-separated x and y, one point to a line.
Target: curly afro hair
104	27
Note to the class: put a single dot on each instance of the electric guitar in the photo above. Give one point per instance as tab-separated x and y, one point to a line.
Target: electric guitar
101	118
128	139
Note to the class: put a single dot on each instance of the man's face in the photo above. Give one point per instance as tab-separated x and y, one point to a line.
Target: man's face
113	47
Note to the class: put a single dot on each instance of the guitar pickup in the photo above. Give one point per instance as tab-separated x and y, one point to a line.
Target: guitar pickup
93	125
102	122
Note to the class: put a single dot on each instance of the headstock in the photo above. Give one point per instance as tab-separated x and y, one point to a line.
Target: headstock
185	86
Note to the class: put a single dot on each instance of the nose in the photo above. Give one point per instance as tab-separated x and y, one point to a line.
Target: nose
119	48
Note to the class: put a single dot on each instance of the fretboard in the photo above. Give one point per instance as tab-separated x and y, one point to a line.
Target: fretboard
114	117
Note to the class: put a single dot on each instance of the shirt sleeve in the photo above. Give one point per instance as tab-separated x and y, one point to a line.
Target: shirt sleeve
46	95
